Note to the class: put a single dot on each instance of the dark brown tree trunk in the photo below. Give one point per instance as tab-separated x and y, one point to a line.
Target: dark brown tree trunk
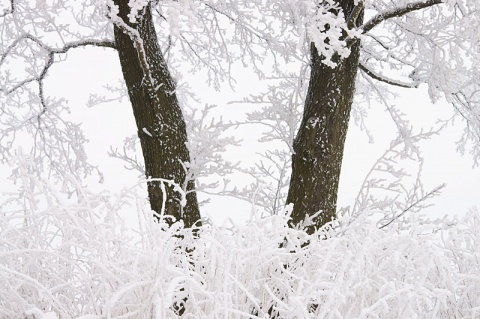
319	144
160	123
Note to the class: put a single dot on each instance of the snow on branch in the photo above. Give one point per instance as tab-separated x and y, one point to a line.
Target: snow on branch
42	114
384	79
432	193
34	38
49	52
136	7
397	12
326	28
435	43
8	10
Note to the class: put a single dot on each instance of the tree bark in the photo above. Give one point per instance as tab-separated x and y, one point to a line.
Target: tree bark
160	122
319	144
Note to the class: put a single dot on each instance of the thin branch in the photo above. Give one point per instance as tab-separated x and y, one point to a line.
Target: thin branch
250	29
77	44
39	79
432	193
41	93
50	54
381	78
398	12
71	45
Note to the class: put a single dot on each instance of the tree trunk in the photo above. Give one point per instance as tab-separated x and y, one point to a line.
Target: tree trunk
160	123
319	144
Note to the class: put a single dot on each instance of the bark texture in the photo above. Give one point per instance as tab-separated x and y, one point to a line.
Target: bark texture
319	144
160	122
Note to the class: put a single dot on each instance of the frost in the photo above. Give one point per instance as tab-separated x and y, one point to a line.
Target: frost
66	252
322	23
136	7
64	261
182	14
39	314
147	132
325	30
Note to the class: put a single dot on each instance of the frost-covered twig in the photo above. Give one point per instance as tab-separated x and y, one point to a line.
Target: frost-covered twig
430	194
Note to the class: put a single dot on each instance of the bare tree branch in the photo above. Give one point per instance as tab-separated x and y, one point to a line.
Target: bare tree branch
398	12
84	43
50	54
434	192
381	78
71	45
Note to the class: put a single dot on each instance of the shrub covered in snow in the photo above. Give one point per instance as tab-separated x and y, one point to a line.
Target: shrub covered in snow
74	257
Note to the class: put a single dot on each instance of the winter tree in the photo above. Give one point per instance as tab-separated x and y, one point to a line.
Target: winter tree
338	46
65	252
364	47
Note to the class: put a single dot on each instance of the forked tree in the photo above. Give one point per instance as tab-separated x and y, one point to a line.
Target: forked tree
345	42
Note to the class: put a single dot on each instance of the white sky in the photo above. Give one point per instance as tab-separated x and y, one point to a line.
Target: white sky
86	71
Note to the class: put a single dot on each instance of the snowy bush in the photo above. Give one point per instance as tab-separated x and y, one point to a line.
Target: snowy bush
74	257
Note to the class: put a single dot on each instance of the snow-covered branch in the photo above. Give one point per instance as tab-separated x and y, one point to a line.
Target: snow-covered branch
397	12
385	79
